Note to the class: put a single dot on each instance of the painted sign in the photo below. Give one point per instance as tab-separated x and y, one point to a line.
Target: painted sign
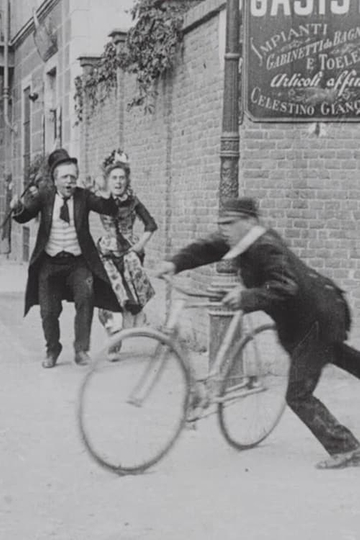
302	60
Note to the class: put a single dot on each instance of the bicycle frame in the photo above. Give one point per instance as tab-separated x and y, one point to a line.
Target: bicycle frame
169	336
214	378
154	370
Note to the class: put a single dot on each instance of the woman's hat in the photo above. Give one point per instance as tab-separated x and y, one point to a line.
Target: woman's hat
59	157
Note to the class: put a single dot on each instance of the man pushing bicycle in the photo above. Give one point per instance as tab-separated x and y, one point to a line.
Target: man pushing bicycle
310	312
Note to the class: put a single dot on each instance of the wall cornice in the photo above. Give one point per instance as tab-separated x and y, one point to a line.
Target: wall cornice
29	27
201	13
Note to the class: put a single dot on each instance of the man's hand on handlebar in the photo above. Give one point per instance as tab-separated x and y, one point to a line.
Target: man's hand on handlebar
233	298
166	268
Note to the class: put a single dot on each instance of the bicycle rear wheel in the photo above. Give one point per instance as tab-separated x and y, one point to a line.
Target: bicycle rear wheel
131	412
252	397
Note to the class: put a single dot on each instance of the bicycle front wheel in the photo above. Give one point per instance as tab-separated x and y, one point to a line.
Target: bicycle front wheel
132	411
252	397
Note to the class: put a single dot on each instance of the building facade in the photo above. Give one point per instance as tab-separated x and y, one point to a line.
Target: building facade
44	42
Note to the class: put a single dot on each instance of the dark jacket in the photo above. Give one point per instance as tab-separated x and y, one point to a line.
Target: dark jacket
130	209
280	284
84	202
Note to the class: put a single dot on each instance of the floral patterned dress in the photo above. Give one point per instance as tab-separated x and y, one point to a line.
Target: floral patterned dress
123	267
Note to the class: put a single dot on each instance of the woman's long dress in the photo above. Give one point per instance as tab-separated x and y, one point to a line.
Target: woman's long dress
123	267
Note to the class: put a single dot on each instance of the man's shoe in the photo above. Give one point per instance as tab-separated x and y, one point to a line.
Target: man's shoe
342	460
82	358
49	361
51	358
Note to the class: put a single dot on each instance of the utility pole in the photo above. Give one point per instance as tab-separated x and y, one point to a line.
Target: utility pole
229	162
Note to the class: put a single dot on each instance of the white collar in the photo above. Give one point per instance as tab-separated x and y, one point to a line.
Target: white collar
247	241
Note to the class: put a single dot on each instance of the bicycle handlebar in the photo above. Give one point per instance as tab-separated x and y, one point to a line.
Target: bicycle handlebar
190	293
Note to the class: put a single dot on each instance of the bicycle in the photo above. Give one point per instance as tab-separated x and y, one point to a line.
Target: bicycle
131	412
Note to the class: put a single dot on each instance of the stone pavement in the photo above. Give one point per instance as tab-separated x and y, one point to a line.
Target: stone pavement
204	490
12	275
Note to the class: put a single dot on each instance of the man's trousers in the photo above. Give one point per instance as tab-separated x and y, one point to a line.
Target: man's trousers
57	275
307	361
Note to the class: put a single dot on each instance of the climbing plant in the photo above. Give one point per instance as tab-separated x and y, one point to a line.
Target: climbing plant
38	171
149	51
98	84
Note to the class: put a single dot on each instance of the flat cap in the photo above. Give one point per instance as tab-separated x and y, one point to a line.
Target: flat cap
239	207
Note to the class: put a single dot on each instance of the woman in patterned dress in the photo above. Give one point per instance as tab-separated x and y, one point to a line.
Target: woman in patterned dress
122	252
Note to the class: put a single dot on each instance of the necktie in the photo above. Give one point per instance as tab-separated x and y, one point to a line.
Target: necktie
64	212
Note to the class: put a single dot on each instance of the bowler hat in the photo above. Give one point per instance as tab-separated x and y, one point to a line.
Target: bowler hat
243	206
59	156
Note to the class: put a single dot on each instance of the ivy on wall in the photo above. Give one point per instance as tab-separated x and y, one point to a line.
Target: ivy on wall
38	172
149	51
96	86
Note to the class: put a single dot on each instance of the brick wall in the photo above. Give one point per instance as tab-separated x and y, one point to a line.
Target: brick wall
174	152
306	179
308	186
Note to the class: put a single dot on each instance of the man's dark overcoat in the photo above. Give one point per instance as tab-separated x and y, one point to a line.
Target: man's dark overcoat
280	284
84	202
